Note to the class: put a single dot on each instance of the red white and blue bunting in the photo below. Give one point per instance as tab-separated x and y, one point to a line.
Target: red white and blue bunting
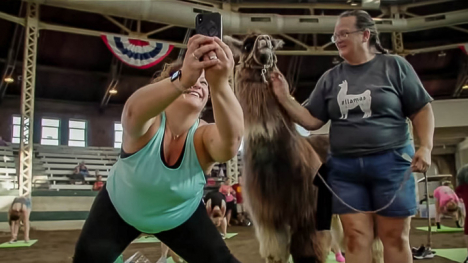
464	48
137	53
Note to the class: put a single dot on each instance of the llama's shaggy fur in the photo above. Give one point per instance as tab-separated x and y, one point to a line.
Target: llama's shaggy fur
279	164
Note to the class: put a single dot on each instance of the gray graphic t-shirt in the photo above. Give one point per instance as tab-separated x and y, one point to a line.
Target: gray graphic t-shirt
368	104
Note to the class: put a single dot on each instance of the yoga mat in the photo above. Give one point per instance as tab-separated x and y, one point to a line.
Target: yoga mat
443	229
455	254
330	258
170	260
230	235
19	243
146	239
119	259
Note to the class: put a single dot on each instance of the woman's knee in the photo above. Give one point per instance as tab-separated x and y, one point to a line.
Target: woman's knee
358	231
395	234
357	240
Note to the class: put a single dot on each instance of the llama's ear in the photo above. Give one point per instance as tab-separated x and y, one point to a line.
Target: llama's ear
277	43
235	45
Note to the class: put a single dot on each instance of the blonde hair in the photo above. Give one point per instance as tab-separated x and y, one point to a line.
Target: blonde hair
167	71
452	207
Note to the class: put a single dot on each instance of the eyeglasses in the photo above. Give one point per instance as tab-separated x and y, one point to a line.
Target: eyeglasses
342	35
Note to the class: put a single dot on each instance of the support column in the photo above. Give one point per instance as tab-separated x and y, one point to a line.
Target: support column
27	99
232	170
397	41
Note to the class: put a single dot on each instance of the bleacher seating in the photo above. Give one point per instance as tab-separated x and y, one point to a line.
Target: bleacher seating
52	166
59	162
8	178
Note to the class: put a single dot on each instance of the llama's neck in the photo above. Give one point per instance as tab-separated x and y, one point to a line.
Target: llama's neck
263	115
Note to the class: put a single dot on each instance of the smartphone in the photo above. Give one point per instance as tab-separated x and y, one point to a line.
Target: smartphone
209	24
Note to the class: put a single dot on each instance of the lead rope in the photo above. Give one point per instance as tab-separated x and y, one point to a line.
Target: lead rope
406	176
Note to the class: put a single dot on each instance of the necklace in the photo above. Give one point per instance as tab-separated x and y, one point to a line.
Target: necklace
173	135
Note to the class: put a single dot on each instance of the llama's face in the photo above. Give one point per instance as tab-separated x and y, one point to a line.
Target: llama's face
257	50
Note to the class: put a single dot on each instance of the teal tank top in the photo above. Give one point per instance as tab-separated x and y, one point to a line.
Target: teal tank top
152	197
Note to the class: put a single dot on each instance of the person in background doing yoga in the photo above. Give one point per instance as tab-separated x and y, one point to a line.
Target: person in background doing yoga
216	209
19	212
156	186
446	203
462	192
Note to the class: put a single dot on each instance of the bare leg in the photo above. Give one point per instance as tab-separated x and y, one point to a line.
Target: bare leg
394	233
359	235
229	217
438	213
224	226
164	251
174	256
14	230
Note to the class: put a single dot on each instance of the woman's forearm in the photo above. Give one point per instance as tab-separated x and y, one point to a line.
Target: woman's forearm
301	115
228	115
423	123
146	103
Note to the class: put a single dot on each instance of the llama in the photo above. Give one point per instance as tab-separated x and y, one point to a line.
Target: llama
279	164
349	102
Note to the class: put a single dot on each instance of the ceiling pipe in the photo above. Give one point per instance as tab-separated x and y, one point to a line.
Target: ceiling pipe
183	14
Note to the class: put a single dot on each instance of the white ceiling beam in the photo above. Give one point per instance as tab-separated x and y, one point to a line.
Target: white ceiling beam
182	14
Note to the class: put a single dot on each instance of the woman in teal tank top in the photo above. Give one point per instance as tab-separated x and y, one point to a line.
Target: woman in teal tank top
156	186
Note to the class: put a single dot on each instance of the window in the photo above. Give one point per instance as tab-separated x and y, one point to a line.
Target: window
15	138
118	133
77	134
50	131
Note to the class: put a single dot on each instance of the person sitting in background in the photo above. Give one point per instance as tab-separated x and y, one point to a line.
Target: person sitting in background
19	211
99	183
462	192
82	169
3	142
446	203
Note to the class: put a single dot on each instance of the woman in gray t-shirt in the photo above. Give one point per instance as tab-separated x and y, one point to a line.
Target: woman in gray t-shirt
368	99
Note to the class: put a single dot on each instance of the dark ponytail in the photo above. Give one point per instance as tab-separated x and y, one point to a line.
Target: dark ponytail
365	22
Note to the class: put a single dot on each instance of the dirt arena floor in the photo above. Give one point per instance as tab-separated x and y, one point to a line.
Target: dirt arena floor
58	246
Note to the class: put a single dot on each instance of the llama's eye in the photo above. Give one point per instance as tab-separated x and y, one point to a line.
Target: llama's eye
248	45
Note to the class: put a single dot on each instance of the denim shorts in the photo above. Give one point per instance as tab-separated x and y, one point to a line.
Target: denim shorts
369	183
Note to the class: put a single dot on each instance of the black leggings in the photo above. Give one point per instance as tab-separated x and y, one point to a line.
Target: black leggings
105	236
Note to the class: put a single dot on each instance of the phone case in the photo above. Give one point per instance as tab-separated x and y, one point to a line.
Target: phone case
209	24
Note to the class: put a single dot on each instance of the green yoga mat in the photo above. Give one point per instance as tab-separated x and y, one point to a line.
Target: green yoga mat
146	239
454	254
19	243
330	258
170	260
443	229
230	235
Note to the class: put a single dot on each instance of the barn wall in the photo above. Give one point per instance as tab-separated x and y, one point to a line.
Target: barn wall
100	129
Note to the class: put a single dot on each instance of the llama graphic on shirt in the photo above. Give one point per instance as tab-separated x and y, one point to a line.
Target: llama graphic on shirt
349	101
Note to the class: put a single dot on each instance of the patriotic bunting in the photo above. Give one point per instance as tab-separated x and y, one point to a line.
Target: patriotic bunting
137	53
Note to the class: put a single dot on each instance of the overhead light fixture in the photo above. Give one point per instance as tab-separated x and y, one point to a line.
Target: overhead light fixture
354	3
465	86
9	79
442	54
113	91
